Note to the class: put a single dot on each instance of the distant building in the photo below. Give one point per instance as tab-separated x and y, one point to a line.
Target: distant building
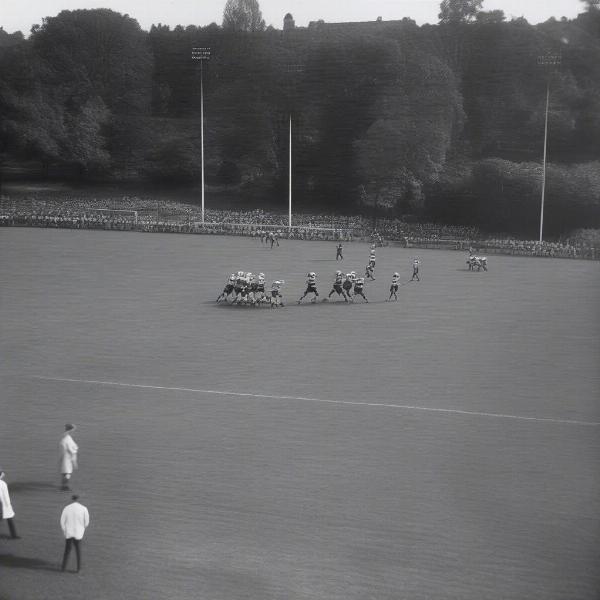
365	26
288	22
321	26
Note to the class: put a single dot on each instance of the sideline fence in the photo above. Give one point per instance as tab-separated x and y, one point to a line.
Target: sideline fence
171	218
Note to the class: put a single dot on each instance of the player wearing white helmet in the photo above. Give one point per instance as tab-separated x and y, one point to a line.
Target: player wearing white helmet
347	285
228	289
238	285
259	288
394	286
369	270
276	298
311	287
250	287
241	288
338	286
359	285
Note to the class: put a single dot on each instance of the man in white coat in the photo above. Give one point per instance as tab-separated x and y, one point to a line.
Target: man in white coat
73	521
68	456
6	510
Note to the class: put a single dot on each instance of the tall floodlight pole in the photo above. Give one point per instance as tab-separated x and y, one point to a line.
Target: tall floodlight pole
201	54
544	61
544	162
290	182
291	69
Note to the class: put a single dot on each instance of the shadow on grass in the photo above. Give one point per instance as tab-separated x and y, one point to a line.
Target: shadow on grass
23	562
292	304
32	486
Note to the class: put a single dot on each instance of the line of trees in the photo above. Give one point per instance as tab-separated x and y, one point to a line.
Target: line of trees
441	121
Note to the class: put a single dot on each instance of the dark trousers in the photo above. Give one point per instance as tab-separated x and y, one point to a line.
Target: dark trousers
68	543
11	528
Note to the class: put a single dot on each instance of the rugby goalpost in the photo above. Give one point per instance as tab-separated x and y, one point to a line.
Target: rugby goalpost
254	229
116	211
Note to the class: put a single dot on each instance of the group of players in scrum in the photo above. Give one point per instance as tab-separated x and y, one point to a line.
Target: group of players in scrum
246	289
476	263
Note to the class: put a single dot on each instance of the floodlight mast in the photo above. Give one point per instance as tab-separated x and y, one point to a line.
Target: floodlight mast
201	54
290	182
546	60
291	69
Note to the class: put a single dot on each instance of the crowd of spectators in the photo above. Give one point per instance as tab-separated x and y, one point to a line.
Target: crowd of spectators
132	213
561	249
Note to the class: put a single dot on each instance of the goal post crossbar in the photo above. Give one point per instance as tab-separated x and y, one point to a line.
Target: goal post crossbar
268	226
114	210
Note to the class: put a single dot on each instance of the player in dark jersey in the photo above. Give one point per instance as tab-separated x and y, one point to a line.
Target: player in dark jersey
311	287
338	250
252	288
359	286
258	289
240	282
338	286
369	271
276	299
244	296
228	289
347	285
394	287
415	274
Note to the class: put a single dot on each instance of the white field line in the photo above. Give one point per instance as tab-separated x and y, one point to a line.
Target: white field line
322	400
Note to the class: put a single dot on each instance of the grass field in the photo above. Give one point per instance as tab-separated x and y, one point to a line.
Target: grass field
445	446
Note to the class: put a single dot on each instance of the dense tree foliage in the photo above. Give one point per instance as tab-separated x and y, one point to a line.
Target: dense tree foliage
440	121
459	11
243	15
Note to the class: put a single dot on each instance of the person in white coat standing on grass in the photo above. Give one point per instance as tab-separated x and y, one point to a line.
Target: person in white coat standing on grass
68	456
73	521
6	509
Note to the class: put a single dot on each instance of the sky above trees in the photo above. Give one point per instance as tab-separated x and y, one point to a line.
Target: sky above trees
18	16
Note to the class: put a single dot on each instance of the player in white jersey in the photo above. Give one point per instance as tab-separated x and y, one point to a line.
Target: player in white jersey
394	287
276	298
311	287
228	289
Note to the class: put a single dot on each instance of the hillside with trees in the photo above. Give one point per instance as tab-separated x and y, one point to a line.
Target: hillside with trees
441	122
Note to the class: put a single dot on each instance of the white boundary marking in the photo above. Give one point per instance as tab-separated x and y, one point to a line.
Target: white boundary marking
323	400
